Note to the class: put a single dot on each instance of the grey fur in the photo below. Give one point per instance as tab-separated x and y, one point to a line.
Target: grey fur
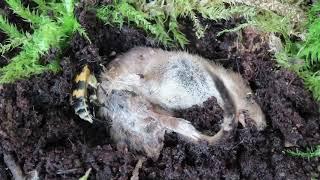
141	88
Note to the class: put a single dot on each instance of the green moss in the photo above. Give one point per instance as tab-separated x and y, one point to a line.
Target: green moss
160	18
266	21
310	49
118	13
48	32
312	153
303	56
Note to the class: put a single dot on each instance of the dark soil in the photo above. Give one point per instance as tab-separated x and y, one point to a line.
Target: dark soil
38	126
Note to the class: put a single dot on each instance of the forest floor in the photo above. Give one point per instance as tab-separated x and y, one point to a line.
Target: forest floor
38	125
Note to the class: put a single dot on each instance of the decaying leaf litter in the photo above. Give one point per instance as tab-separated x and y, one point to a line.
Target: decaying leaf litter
35	116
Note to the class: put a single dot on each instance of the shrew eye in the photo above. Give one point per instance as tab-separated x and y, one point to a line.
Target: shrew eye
141	76
249	97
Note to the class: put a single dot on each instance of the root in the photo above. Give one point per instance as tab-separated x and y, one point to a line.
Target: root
135	173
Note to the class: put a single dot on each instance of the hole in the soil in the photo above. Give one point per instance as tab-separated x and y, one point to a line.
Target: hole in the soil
170	139
253	85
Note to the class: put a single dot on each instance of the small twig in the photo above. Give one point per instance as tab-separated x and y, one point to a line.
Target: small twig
289	84
68	171
135	173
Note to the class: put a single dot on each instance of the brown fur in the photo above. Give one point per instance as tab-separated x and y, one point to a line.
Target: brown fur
150	63
142	87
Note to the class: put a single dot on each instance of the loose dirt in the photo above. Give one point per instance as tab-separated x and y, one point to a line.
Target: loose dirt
38	125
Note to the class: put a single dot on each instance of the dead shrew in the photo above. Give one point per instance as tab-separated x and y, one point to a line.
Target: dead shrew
139	89
177	80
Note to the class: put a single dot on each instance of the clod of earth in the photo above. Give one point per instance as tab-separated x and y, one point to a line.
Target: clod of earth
140	90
